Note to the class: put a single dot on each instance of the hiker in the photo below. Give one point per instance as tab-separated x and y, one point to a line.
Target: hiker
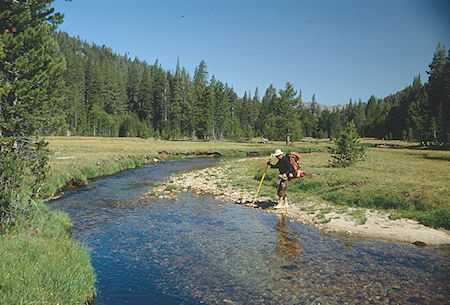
284	166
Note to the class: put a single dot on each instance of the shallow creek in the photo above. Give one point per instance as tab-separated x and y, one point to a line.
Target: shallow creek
201	250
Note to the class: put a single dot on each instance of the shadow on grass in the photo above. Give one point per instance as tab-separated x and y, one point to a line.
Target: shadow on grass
442	158
445	147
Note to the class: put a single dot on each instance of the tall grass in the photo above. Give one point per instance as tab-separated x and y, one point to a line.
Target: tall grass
41	264
406	182
82	158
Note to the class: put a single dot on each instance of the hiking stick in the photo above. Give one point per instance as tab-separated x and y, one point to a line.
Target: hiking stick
260	183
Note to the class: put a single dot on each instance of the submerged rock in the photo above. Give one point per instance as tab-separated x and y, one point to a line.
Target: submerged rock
419	244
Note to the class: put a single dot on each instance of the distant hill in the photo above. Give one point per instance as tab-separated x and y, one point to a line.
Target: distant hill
323	107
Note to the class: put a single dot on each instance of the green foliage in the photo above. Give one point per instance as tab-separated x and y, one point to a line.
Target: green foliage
103	89
438	90
171	187
347	150
57	269
31	74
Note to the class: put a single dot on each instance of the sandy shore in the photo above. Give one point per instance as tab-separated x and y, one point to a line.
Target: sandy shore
375	225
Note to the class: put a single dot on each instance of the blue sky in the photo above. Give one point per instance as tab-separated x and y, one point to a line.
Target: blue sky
335	49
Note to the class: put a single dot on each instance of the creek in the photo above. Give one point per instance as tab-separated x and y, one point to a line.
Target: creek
201	250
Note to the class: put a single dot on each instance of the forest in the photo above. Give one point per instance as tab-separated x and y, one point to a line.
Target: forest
107	94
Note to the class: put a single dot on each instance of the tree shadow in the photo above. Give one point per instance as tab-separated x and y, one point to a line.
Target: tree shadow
441	158
444	147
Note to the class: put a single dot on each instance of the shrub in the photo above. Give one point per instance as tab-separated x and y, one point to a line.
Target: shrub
347	150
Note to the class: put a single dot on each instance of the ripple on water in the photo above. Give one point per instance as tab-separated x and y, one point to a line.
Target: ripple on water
201	250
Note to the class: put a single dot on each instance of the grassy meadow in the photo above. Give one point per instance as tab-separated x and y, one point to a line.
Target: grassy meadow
401	178
82	158
41	264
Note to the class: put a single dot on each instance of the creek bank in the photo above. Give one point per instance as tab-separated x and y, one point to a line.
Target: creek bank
375	225
103	168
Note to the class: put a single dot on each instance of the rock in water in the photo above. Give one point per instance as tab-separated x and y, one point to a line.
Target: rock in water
419	244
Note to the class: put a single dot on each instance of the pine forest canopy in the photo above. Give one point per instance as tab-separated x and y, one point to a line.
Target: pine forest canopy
112	95
51	83
106	94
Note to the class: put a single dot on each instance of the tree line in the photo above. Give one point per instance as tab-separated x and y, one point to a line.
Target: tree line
51	83
111	95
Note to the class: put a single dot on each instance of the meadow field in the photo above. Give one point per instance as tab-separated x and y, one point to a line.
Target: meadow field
403	182
402	178
77	159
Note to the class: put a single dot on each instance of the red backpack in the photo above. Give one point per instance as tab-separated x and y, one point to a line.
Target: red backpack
294	159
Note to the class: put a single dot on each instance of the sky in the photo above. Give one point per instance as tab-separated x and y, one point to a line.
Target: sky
336	49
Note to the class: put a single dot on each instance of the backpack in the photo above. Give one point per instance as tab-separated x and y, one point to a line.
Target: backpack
294	160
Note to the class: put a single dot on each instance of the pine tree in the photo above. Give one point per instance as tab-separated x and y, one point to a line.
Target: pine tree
94	88
202	104
419	116
324	124
315	112
286	110
221	113
186	119
267	104
133	81
439	96
176	102
347	150
31	85
145	110
360	118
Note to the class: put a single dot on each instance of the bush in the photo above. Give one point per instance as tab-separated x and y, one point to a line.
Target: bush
347	150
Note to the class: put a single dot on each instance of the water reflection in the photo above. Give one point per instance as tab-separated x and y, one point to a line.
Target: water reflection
199	250
288	244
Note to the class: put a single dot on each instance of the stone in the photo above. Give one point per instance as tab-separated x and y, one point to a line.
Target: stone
419	244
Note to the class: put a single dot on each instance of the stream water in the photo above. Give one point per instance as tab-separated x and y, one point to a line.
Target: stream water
200	250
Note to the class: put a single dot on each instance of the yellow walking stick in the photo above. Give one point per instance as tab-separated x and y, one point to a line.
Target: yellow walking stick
260	183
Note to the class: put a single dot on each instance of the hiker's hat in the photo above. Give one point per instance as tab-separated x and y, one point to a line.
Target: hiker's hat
277	152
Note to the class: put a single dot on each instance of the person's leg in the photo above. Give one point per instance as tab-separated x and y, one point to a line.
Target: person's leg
285	203
280	196
282	202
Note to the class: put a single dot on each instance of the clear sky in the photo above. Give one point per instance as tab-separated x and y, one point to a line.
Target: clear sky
336	49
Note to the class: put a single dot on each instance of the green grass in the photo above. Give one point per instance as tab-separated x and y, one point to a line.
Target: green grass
404	181
171	187
41	264
39	261
83	158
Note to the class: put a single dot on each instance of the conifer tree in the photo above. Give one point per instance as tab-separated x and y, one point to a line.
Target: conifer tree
286	112
146	96
439	96
202	104
176	102
418	112
347	150
221	113
133	81
31	85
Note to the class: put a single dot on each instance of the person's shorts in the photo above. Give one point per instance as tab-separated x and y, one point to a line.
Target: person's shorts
282	186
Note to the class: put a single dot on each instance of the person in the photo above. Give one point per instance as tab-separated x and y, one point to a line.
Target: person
284	167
